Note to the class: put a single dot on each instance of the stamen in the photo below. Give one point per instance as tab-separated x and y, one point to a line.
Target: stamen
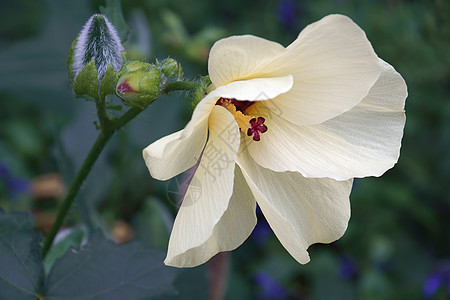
249	124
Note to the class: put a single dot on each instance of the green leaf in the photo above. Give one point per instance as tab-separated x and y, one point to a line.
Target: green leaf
86	83
113	11
190	284
21	268
104	270
153	224
72	239
109	81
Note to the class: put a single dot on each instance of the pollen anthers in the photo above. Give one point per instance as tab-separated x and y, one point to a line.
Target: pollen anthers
249	124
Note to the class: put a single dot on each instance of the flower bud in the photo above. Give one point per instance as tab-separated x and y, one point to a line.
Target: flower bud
139	84
169	67
98	41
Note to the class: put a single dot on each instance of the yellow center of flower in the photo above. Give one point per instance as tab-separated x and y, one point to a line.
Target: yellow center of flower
248	124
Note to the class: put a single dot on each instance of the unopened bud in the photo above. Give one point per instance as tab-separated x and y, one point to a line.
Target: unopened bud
169	67
139	84
97	41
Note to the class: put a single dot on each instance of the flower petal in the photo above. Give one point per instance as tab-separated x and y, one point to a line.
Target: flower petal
229	233
179	151
209	192
334	66
256	89
235	58
364	141
301	211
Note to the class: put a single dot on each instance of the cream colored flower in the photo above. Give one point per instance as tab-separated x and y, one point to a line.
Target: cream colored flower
287	128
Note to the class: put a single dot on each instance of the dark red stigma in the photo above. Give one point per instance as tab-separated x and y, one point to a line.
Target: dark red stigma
257	128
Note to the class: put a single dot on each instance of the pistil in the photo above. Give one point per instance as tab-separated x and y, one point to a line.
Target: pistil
252	126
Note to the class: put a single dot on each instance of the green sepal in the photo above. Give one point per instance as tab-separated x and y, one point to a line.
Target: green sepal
86	84
169	67
70	61
180	71
201	91
124	56
108	84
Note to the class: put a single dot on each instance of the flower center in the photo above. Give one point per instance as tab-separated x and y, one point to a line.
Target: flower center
252	126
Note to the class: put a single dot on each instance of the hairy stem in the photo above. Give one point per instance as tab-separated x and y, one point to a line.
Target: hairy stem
102	139
107	129
180	85
96	149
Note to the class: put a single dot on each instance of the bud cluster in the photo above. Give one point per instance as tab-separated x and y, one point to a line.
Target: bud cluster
98	67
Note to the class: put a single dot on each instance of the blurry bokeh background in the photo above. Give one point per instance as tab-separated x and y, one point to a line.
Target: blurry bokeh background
397	245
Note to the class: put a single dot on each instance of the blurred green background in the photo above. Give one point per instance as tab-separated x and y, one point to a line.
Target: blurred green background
397	245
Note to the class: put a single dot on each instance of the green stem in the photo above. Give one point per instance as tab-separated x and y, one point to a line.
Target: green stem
102	139
108	127
125	118
96	149
101	112
180	85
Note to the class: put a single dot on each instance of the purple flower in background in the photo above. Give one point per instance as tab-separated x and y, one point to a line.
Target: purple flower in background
261	233
432	284
348	269
14	185
287	13
440	277
270	289
262	230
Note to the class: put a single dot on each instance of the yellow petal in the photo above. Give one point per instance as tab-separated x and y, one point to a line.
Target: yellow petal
229	233
209	192
334	66
256	89
301	211
236	57
177	152
365	141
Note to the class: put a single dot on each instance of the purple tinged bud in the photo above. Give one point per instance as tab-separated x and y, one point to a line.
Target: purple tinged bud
138	84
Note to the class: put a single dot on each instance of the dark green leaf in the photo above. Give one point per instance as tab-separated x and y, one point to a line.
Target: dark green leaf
113	11
21	268
190	284
72	239
153	223
104	270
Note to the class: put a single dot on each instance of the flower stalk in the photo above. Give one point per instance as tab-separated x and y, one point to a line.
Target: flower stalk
107	129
